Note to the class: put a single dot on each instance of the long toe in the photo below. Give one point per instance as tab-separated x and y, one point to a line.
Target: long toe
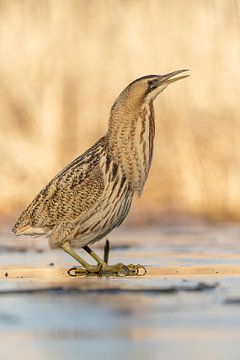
124	270
81	271
117	269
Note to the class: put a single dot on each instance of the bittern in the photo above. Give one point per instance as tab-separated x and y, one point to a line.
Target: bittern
93	194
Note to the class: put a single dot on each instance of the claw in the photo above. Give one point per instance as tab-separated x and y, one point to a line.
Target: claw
141	270
77	271
73	269
137	270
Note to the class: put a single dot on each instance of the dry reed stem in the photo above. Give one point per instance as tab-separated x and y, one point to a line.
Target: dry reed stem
62	63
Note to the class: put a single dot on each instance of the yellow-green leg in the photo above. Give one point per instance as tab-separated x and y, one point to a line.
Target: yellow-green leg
119	269
102	268
87	268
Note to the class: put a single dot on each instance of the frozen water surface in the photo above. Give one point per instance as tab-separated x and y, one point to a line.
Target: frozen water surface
153	317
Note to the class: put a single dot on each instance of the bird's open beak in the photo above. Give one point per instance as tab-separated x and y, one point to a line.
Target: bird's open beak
168	78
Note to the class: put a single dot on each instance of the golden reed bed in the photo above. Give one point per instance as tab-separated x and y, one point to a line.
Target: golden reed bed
62	63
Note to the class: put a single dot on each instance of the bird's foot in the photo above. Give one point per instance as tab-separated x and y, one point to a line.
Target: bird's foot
123	270
108	270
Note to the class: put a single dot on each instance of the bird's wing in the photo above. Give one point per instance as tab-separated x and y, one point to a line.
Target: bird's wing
69	194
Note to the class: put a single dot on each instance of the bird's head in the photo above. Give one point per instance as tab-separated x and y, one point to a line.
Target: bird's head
147	88
151	85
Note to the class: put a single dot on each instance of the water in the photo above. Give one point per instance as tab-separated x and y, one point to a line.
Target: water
125	320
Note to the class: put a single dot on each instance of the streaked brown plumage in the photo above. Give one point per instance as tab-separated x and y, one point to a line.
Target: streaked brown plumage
93	194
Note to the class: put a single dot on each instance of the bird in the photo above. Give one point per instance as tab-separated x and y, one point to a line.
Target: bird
93	194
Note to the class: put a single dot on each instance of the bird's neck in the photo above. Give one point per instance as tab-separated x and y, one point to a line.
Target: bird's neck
130	137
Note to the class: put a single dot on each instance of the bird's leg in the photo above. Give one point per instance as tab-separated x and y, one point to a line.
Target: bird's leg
106	251
102	267
117	269
99	260
87	268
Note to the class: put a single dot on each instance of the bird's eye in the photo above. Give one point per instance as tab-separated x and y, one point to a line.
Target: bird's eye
150	82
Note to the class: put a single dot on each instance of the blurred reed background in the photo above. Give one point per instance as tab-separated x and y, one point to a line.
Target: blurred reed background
62	64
